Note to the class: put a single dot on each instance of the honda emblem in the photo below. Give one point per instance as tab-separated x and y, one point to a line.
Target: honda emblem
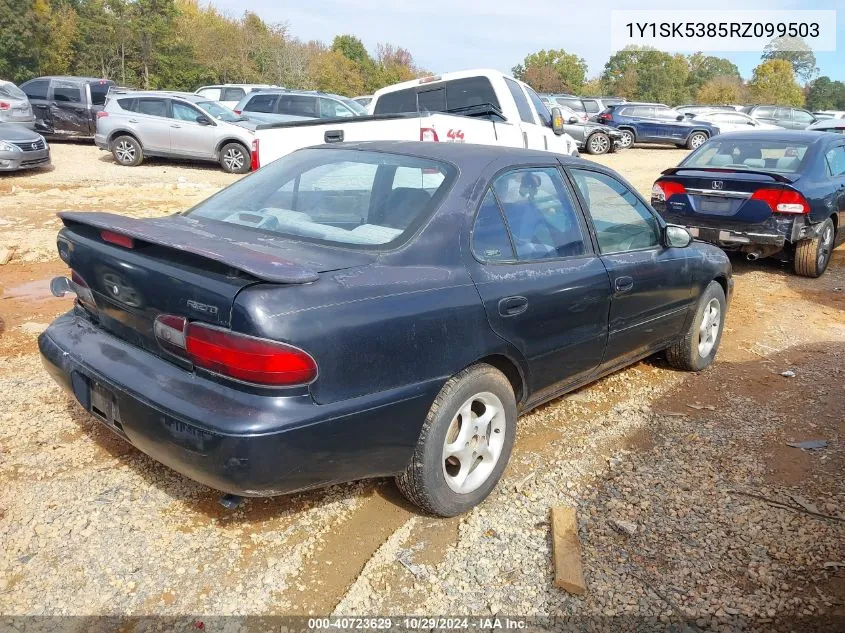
718	184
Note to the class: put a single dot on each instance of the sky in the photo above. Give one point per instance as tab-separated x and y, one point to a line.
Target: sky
449	35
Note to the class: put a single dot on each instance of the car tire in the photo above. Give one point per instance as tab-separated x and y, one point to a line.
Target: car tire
696	140
127	151
445	476
234	158
697	348
812	256
598	143
627	139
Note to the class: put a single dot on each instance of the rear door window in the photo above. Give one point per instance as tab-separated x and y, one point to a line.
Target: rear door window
490	239
261	103
540	214
66	92
152	107
522	105
298	105
783	114
36	89
331	109
765	112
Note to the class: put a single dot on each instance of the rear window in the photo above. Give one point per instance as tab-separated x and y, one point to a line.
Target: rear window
458	94
11	91
778	156
232	94
368	200
99	90
261	103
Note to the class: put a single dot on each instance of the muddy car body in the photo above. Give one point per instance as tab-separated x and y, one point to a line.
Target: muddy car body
459	286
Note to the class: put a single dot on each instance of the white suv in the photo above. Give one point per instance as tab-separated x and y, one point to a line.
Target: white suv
229	94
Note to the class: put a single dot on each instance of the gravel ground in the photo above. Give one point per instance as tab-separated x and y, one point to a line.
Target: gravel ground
91	526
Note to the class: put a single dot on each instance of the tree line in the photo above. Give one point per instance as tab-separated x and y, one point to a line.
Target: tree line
645	74
180	45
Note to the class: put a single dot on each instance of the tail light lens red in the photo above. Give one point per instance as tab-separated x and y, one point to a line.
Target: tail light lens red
665	189
5	105
254	160
246	358
102	114
783	200
604	117
428	134
237	112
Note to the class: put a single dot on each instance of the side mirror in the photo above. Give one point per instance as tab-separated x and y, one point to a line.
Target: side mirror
676	236
557	121
752	123
573	120
203	120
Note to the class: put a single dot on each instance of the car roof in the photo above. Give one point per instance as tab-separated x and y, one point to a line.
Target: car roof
310	93
799	136
828	123
79	79
187	96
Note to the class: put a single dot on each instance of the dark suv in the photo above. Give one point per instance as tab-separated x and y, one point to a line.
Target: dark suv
782	116
656	123
67	107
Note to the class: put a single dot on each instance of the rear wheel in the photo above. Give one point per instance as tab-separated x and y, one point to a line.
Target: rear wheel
234	158
464	445
812	256
127	151
698	347
598	143
627	139
696	140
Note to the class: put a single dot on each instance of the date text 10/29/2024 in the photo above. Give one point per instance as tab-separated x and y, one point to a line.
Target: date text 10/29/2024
418	623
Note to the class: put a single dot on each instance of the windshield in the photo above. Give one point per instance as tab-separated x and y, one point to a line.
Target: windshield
343	197
779	156
219	112
11	91
356	107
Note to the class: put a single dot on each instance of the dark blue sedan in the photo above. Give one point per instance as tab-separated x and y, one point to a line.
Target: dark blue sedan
656	123
778	193
374	309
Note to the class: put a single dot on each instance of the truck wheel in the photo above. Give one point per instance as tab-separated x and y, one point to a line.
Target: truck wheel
812	256
127	151
697	348
598	143
464	445
696	140
234	158
627	139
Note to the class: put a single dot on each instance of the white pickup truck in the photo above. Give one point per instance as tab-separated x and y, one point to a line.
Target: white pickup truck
484	107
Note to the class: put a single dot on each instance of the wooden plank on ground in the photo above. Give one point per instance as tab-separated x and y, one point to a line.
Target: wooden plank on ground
569	574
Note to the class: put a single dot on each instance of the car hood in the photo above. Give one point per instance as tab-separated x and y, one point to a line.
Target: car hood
15	132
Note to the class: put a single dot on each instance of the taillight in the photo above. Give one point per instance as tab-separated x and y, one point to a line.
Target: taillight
662	190
254	162
604	117
116	238
783	200
5	105
102	114
246	358
237	111
82	290
428	134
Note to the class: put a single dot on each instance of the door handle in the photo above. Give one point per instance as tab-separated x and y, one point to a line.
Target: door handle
511	306
623	284
133	120
175	125
333	136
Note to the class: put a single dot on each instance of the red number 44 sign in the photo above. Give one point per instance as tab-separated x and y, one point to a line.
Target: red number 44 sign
456	136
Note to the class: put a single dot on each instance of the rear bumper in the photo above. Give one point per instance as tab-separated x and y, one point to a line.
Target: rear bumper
774	234
243	443
101	141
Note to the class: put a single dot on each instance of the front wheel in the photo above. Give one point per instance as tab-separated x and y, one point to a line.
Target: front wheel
698	347
465	443
696	140
812	256
598	143
627	139
234	158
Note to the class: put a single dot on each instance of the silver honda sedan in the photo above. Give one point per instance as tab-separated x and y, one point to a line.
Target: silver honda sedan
15	106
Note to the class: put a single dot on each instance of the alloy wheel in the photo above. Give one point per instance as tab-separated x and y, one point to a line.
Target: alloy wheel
599	143
825	247
708	331
474	442
233	159
125	152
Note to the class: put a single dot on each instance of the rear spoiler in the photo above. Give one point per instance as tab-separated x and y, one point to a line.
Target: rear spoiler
775	177
242	249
